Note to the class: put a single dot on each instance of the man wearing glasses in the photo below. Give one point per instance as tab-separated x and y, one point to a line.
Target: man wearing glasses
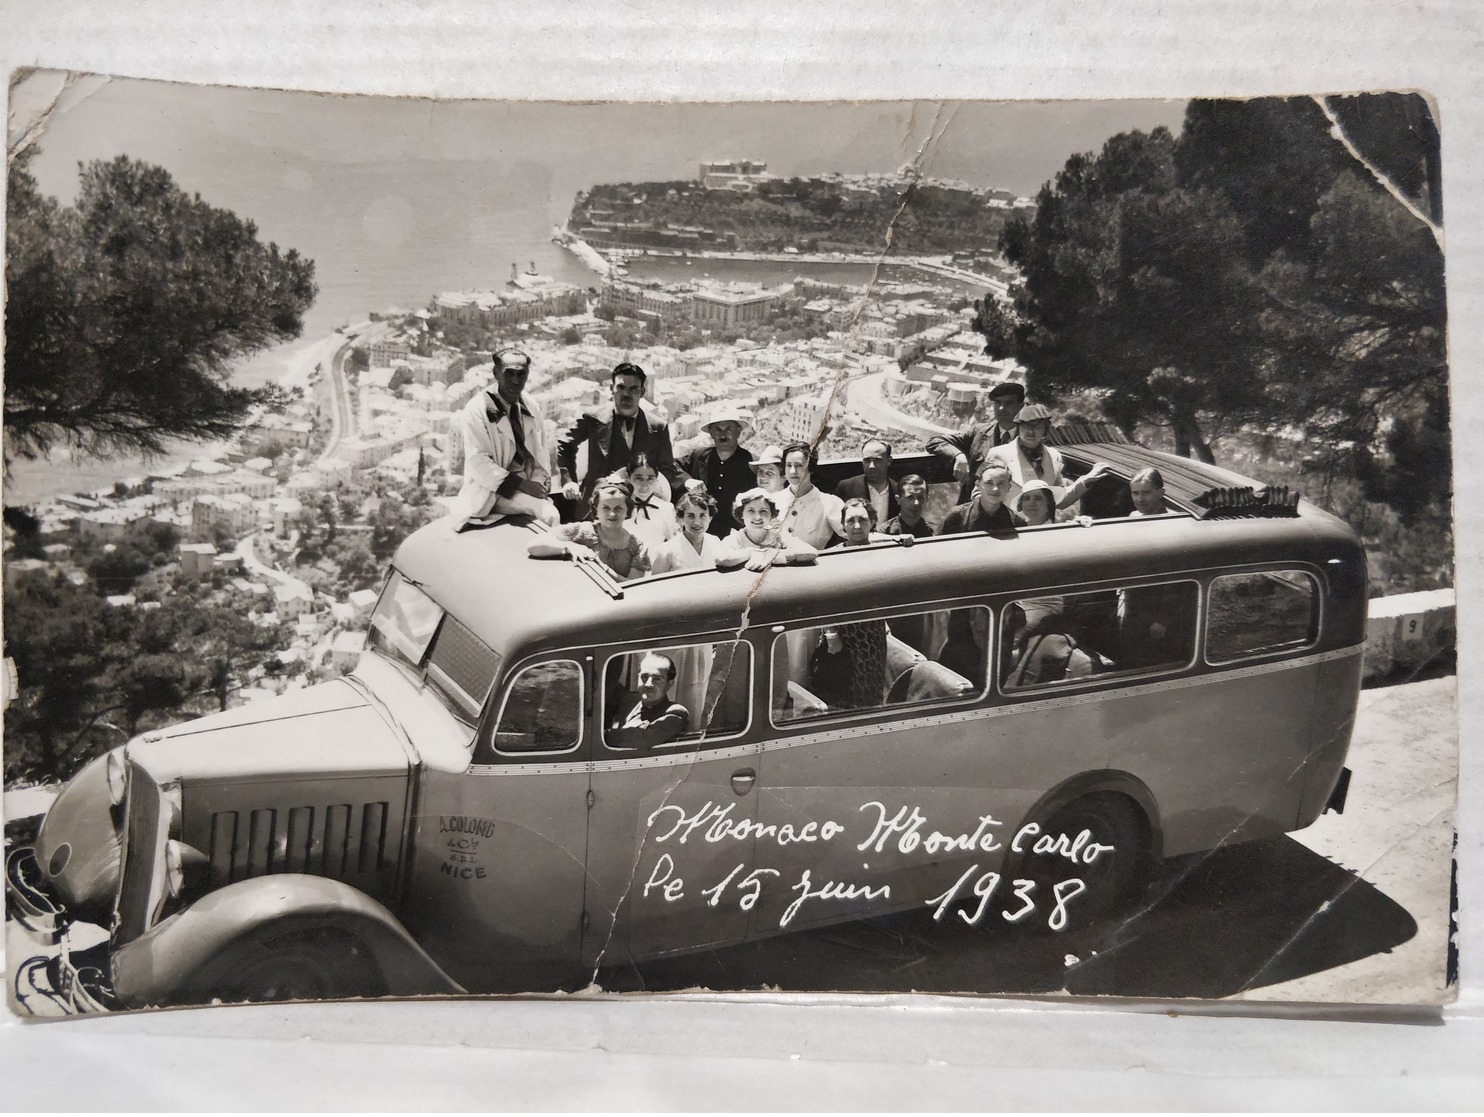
507	462
1029	458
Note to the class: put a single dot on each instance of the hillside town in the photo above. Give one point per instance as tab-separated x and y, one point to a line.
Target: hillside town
293	519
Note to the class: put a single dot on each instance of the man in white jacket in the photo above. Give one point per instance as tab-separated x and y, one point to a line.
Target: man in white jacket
507	465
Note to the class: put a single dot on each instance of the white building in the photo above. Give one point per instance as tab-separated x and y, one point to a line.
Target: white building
197	559
292	600
235	512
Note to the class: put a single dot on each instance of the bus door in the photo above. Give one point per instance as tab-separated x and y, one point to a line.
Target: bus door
879	747
500	874
673	800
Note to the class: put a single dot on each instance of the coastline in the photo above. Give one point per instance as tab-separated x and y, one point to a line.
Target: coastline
609	262
289	365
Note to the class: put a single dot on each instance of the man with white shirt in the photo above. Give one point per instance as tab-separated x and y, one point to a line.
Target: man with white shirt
807	513
507	463
1029	458
874	484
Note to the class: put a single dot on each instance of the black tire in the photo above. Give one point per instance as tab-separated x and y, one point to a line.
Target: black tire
292	965
1115	881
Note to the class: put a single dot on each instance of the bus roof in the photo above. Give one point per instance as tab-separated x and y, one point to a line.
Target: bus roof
518	604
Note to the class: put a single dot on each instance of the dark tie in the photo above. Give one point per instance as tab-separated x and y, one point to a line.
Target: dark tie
643	506
522	455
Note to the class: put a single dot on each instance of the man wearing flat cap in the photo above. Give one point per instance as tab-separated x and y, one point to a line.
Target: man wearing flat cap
724	467
1029	458
968	447
613	436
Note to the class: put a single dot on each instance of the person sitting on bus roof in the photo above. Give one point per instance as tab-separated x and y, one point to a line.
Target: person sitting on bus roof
1147	488
694	546
767	467
874	484
913	494
722	469
507	465
811	515
968	447
759	543
607	540
647	718
1028	458
653	517
988	511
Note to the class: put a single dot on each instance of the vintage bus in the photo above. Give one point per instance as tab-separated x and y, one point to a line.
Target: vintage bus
1012	730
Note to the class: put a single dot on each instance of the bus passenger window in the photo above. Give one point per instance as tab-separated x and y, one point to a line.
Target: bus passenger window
903	660
1261	613
1067	637
542	711
710	683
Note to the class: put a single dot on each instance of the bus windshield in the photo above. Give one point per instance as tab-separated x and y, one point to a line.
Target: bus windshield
404	621
415	631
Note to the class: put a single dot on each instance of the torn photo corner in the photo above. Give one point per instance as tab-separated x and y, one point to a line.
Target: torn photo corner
975	548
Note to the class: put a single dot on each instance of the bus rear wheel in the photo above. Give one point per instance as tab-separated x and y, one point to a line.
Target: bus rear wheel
1113	880
306	965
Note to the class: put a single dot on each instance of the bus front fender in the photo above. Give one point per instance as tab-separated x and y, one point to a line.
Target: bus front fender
185	956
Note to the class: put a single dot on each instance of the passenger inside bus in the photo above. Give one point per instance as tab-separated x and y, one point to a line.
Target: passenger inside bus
710	681
646	717
1135	628
868	665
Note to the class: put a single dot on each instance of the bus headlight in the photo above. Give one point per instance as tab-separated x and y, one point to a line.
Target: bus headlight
116	768
181	865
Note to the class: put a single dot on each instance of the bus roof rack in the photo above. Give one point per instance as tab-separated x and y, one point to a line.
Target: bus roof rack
600	577
1248	502
1069	433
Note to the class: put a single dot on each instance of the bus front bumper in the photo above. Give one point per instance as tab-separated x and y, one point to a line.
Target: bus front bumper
66	970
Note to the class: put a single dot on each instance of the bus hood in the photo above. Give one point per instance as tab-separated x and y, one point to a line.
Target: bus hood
328	739
330	730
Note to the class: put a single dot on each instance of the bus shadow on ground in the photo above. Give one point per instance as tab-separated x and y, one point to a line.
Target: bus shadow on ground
1212	925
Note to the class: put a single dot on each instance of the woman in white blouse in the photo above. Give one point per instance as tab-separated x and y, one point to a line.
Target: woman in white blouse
693	546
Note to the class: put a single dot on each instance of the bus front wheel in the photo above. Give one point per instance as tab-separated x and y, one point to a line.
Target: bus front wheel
1101	840
304	965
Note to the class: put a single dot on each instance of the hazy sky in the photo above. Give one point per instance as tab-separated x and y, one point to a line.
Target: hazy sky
396	199
235	139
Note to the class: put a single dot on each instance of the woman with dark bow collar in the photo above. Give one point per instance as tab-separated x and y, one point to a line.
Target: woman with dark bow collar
653	517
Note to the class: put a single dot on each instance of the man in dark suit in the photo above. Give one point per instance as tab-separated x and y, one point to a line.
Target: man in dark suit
874	485
612	437
968	447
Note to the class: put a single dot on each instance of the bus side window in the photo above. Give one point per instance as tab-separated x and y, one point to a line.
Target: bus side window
711	682
1260	613
1065	637
884	662
541	712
